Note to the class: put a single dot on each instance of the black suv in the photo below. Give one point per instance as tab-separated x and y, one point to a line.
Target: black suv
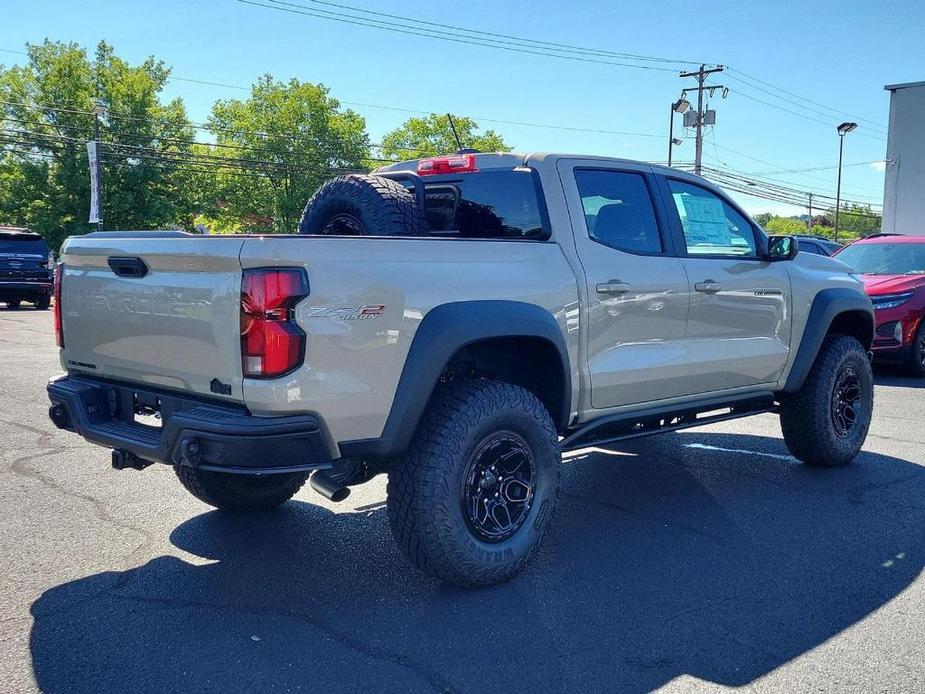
25	269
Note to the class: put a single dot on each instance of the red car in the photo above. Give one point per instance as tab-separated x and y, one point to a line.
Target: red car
893	271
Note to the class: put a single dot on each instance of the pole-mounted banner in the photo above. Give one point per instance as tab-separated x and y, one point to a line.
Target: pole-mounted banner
93	155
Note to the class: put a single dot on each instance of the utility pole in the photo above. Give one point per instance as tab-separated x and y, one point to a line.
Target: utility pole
810	226
701	76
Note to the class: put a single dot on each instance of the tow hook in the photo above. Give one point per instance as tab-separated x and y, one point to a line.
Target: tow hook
58	415
122	460
190	451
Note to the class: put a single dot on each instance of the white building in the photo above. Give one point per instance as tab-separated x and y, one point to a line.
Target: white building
904	186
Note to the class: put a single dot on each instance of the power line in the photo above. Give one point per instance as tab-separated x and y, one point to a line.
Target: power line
751	186
768	163
801	115
743	77
841	113
825	114
495	35
495	40
441	35
55	142
215	129
819	168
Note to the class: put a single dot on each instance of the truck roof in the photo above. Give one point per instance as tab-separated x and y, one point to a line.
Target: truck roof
485	161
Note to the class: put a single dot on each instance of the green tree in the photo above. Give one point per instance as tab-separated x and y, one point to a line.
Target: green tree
47	111
785	225
292	137
763	218
857	220
433	135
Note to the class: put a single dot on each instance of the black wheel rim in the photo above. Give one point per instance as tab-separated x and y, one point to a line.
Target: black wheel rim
846	401
498	487
920	350
344	224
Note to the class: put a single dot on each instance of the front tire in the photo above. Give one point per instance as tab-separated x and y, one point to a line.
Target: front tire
240	493
473	499
826	421
13	305
916	362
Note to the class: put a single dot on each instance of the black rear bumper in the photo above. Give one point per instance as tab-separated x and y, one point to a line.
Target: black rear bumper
24	289
199	433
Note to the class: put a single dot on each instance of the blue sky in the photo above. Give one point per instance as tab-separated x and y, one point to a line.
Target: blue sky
838	54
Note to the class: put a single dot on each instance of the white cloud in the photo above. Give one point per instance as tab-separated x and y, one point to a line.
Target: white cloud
878	166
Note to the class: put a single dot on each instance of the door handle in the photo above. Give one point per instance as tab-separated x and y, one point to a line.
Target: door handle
708	287
613	287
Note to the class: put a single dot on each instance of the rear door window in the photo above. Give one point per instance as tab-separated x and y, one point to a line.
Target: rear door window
618	210
487	205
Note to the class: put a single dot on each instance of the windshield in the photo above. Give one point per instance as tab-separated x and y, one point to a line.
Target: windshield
885	258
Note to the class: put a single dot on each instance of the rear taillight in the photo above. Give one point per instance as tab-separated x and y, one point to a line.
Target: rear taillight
271	342
457	163
56	295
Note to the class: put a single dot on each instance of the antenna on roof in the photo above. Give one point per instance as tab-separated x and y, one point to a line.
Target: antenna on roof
459	147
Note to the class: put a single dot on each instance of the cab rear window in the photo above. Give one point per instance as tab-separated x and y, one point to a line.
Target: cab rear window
486	205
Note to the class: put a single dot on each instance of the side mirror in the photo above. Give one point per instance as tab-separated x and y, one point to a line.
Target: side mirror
782	248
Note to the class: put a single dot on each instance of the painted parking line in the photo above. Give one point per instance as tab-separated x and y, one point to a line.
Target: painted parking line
775	456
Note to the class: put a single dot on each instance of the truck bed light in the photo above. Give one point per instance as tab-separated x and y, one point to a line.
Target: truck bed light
457	163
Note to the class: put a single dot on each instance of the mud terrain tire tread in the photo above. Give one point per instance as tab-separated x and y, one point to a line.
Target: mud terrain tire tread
383	206
424	497
805	416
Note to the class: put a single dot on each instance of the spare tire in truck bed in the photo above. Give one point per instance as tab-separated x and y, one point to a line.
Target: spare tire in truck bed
359	205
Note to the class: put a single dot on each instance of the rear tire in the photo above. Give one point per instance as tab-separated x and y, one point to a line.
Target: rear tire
826	421
13	305
42	303
473	499
359	205
915	364
240	493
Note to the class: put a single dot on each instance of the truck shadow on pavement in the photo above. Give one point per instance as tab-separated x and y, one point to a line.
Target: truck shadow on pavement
889	375
711	555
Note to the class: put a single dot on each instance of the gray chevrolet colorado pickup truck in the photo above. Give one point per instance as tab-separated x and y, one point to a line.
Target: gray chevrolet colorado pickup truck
458	323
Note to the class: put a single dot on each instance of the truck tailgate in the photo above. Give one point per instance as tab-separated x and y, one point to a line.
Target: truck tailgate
161	311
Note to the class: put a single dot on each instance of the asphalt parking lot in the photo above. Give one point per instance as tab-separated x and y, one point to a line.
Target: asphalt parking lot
698	560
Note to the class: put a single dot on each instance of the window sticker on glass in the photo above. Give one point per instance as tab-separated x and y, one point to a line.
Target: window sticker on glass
711	226
704	220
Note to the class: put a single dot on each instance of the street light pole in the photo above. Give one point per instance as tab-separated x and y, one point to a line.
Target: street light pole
679	106
670	132
843	130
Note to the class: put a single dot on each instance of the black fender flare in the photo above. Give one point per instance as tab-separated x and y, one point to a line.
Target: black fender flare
443	331
827	306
